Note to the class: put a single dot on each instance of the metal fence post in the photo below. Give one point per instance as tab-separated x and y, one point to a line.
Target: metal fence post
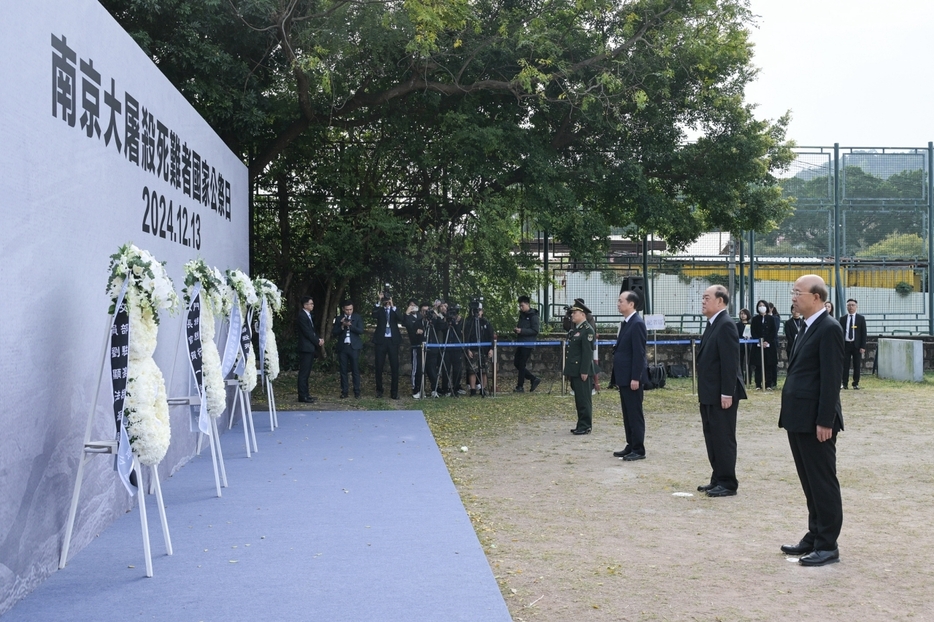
930	237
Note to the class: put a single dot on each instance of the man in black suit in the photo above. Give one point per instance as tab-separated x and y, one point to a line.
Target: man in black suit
348	326
630	368
812	417
854	342
308	341
719	389
386	340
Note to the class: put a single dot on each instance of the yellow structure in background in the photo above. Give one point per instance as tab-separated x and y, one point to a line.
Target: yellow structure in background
885	277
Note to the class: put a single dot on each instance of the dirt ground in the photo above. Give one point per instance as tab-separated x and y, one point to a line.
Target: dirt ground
573	533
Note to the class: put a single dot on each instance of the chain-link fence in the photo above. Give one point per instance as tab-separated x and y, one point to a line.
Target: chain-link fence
879	252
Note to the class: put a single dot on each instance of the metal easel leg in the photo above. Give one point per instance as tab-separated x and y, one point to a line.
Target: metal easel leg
248	418
216	438
161	505
246	432
144	522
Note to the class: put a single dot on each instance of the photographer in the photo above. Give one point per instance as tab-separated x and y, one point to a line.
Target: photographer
526	329
450	330
415	325
386	340
477	329
432	321
348	326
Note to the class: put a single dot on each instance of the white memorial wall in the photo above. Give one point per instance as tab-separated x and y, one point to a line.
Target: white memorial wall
97	149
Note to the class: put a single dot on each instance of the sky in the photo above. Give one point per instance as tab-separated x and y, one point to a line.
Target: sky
854	72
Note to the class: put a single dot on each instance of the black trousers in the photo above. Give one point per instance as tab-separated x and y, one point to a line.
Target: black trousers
583	400
520	361
633	417
816	463
850	351
383	349
417	370
771	365
305	362
349	360
451	368
720	437
432	357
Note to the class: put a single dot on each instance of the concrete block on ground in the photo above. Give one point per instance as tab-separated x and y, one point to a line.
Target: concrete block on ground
901	359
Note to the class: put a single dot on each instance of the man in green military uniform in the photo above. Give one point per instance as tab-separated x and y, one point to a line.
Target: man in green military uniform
578	366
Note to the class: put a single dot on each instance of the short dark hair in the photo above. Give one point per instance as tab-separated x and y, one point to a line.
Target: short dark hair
524	299
633	297
853	300
346	303
722	293
305	300
821	290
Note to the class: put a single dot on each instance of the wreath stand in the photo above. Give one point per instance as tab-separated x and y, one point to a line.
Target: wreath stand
242	399
271	398
97	448
217	454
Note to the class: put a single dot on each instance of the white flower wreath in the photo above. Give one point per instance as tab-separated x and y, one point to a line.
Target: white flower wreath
246	295
214	300
149	290
267	290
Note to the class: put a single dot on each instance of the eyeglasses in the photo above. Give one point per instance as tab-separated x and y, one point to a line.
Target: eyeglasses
797	292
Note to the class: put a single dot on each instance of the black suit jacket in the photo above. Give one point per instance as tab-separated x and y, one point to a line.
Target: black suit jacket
811	394
859	330
764	327
379	335
629	359
356	329
307	335
717	360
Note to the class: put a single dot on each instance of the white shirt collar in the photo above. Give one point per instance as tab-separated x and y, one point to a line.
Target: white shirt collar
711	320
810	320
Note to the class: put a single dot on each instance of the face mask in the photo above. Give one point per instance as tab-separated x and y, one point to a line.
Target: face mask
761	309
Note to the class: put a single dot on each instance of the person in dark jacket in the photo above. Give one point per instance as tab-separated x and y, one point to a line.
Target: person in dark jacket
578	367
386	340
308	343
719	389
854	342
745	332
812	417
527	328
347	329
764	328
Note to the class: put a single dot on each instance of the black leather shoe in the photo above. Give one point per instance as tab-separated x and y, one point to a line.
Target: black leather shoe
308	400
622	453
395	397
855	388
379	394
580	431
518	390
820	558
801	548
343	396
706	487
633	456
720	491
535	384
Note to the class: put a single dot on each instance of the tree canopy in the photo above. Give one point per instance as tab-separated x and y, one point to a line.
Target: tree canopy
418	142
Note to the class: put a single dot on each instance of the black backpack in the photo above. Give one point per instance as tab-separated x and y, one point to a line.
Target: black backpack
657	377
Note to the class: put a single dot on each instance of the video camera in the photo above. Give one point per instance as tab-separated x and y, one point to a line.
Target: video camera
476	305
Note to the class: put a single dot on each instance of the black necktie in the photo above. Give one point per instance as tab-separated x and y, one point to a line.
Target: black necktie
849	332
798	339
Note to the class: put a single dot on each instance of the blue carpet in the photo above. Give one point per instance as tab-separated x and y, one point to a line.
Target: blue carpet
339	516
